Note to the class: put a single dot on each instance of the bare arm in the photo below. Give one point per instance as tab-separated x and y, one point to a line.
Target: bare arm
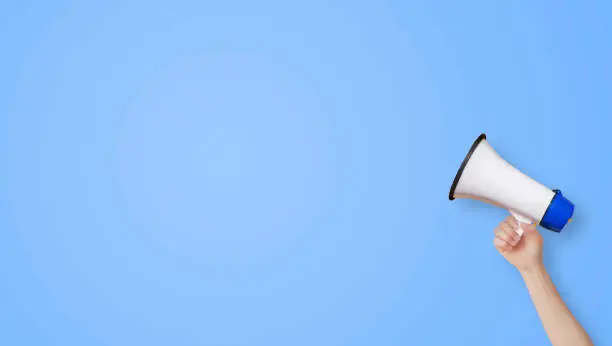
525	253
560	325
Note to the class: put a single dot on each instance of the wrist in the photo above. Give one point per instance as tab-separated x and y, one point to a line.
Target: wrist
535	268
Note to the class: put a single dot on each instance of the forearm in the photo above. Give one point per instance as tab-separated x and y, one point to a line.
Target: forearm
560	325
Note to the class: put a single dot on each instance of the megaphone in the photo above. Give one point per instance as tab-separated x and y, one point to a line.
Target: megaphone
486	176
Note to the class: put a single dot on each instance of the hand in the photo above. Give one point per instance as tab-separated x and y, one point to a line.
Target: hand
524	252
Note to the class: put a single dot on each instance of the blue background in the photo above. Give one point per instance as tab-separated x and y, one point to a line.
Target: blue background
276	173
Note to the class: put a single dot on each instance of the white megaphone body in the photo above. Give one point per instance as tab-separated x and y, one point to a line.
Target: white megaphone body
486	176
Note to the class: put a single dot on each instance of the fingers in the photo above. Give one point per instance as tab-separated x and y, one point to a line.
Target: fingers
501	245
508	233
506	236
512	221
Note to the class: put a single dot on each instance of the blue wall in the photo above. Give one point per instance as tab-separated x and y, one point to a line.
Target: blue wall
275	173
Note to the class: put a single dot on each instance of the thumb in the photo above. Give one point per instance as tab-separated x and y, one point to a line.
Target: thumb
529	228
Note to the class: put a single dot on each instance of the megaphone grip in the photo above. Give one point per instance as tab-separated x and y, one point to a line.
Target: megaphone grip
520	219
